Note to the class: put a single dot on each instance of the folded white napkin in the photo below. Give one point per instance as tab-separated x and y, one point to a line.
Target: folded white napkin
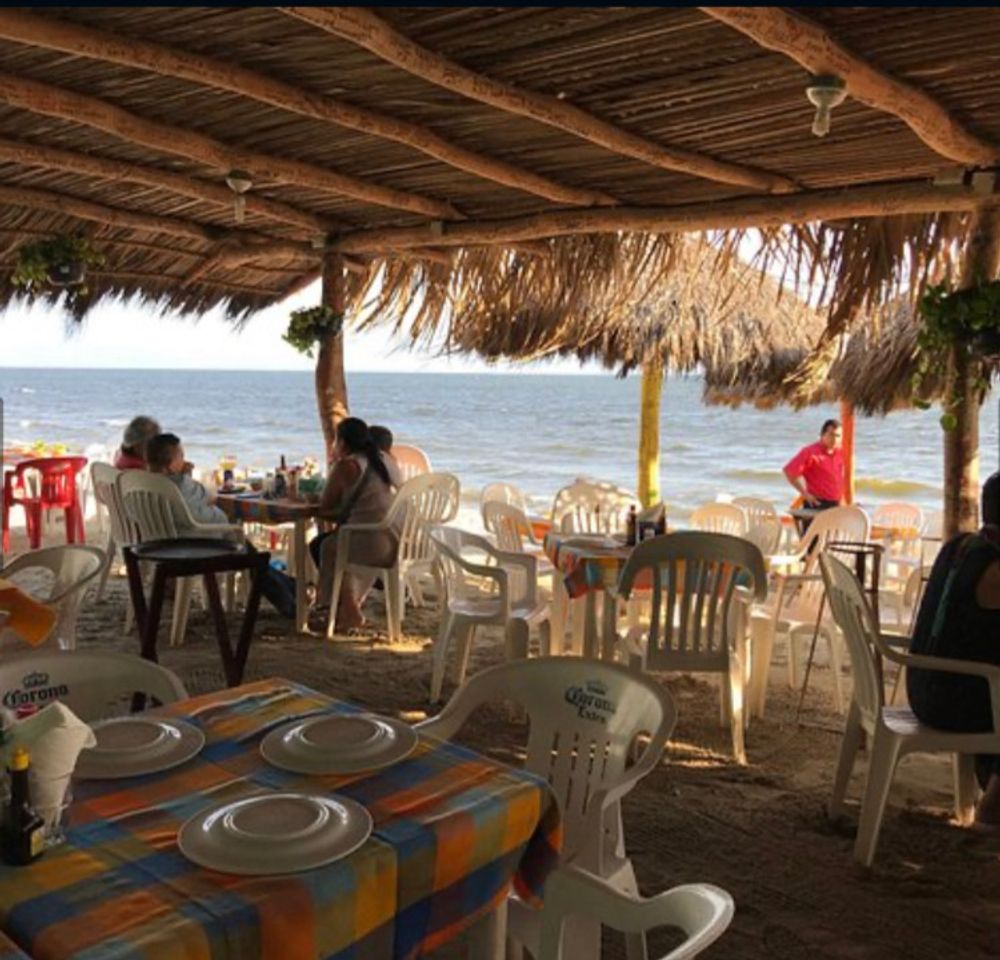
53	738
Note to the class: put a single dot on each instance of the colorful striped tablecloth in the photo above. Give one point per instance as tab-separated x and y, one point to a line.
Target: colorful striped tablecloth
453	829
259	510
584	566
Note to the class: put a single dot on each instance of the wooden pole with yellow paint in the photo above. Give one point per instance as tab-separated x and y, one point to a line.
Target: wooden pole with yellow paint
649	433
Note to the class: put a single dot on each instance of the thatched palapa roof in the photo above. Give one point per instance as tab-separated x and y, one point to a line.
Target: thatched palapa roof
435	141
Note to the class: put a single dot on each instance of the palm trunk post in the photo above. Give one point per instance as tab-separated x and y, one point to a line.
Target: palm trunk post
331	382
649	433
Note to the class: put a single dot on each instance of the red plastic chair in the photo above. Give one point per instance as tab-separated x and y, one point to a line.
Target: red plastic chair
48	483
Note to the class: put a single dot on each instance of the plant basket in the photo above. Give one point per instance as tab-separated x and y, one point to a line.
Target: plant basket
70	274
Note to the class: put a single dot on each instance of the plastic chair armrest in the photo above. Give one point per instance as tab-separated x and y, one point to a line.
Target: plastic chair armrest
972	668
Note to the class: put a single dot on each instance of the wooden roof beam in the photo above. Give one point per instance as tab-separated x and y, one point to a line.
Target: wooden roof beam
90	165
228	255
813	47
368	30
52	34
31	198
876	200
42	98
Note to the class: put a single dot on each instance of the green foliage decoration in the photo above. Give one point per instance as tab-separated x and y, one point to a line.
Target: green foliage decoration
967	320
311	324
36	261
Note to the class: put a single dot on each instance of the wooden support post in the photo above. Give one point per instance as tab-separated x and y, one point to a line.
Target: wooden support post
962	401
331	382
649	433
847	427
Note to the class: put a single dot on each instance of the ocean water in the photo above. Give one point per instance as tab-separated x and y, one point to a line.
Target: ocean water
536	431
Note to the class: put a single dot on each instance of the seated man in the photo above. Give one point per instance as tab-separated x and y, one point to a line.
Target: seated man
131	454
959	618
165	455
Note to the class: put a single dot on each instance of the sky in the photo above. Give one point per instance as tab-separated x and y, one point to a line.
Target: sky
133	337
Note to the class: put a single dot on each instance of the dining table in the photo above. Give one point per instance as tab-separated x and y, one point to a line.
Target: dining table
253	507
453	832
588	567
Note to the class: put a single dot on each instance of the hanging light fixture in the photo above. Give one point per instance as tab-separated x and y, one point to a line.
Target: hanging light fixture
239	181
825	92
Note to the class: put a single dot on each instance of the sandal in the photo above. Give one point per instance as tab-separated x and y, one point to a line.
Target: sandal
319	616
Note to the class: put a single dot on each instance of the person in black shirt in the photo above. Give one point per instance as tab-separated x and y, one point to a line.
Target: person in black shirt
959	618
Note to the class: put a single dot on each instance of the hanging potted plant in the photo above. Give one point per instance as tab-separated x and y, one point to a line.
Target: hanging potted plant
311	324
60	261
969	319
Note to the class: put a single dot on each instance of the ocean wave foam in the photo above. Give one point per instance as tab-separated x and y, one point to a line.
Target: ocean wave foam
885	486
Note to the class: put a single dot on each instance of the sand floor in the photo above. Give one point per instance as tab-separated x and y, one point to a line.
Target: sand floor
759	831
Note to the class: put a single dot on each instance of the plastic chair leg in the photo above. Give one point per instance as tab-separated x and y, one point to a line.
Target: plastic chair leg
465	635
110	549
736	709
33	525
339	572
854	736
517	636
439	656
966	787
393	604
182	606
885	756
763	647
838	675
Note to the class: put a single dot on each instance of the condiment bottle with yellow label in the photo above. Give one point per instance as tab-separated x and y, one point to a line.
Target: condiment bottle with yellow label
23	828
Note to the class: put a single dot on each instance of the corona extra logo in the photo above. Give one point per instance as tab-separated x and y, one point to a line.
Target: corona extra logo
36	688
591	701
35	679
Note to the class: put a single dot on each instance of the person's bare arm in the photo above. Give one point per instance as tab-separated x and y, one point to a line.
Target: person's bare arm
345	474
988	588
800	485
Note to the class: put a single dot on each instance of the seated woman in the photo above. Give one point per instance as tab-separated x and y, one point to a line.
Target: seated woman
959	618
165	456
359	490
131	454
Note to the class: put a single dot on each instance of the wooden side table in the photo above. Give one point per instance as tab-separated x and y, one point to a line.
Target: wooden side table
193	557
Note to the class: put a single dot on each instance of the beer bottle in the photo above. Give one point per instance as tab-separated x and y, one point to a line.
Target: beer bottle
631	526
23	829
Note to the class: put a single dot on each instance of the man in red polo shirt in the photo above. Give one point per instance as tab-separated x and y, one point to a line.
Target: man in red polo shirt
817	470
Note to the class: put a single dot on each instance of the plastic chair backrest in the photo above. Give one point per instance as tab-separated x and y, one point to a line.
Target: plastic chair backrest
720	518
507	523
153	505
764	534
592	506
853	614
104	480
694	577
837	523
49	480
424	501
93	685
898	514
72	567
700	910
412	461
449	544
933	524
502	493
757	510
583	715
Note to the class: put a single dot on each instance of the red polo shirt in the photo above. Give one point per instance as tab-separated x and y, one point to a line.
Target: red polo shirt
127	461
822	468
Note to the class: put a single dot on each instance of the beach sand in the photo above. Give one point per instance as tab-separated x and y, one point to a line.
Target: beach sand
760	831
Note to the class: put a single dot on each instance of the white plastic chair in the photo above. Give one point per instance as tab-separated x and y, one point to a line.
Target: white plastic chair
796	600
422	502
764	528
720	518
156	510
584	718
756	509
512	601
901	556
68	570
699	611
894	731
701	911
104	484
592	506
512	531
502	493
93	685
412	461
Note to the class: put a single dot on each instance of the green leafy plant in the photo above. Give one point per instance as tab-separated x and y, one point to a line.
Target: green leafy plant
311	324
966	320
38	262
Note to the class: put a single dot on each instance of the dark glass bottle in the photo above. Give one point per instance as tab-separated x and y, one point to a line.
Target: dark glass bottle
23	829
631	526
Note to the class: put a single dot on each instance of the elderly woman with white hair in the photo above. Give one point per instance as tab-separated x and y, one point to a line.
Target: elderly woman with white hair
131	455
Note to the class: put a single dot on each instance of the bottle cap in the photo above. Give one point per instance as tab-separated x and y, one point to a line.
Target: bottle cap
19	759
